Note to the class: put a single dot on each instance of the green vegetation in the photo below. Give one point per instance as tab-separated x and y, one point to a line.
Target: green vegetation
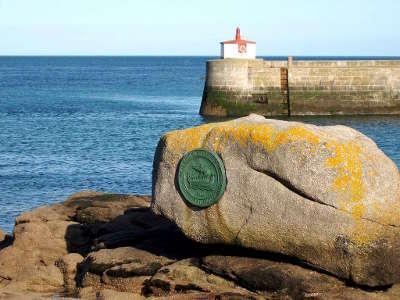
233	108
332	94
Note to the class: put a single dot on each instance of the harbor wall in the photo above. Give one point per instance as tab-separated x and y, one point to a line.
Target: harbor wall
236	87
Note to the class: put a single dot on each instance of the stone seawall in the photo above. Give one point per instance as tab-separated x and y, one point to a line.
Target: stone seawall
237	87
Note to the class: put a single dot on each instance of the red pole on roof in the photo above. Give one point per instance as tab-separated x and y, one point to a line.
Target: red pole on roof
238	34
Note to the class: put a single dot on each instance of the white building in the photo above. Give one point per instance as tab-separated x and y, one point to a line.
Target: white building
238	48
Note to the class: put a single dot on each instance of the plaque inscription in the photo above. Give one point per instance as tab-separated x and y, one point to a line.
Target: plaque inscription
201	177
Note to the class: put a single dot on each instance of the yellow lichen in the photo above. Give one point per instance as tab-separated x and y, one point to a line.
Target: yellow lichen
349	183
188	139
358	210
262	134
295	134
345	159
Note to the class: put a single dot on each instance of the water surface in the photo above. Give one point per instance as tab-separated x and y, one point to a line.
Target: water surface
74	123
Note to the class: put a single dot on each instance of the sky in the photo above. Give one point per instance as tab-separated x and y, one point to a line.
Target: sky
195	27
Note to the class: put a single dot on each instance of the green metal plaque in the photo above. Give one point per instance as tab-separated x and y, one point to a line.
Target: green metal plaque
201	177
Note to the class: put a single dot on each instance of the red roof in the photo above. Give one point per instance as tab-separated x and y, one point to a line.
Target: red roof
238	39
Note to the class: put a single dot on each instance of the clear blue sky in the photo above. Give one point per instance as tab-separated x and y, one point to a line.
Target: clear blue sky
195	27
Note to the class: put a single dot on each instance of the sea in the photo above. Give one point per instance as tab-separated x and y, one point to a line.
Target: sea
92	123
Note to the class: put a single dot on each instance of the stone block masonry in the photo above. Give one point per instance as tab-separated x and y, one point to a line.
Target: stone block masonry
238	87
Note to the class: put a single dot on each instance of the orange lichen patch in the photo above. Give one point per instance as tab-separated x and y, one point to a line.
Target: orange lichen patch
358	210
262	136
295	134
346	160
265	135
187	139
219	134
249	133
349	184
269	137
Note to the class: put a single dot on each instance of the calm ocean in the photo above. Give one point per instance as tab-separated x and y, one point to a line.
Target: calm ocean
74	123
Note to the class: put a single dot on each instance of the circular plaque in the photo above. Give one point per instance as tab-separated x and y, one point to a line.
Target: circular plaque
201	177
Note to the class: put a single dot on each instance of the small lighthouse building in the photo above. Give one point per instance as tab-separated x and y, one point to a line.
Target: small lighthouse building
238	48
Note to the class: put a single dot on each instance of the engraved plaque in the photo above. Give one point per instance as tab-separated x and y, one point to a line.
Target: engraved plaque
201	177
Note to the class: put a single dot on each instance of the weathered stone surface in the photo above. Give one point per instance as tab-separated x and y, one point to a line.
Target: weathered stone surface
281	278
38	257
28	264
32	296
184	277
115	295
124	269
94	207
88	293
2	235
326	195
125	261
132	284
5	239
68	266
158	257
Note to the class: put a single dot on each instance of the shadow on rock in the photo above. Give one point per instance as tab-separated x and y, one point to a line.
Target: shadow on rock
106	246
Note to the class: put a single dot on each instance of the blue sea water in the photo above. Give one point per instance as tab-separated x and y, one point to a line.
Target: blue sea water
74	123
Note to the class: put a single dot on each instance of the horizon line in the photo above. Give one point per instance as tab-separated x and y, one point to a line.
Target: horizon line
184	55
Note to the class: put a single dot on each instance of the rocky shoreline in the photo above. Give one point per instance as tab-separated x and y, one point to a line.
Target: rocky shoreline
245	209
106	246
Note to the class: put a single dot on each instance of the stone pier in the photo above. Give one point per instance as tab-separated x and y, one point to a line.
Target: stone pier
236	87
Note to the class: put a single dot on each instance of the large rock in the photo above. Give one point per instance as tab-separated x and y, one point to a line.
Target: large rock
326	195
42	255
